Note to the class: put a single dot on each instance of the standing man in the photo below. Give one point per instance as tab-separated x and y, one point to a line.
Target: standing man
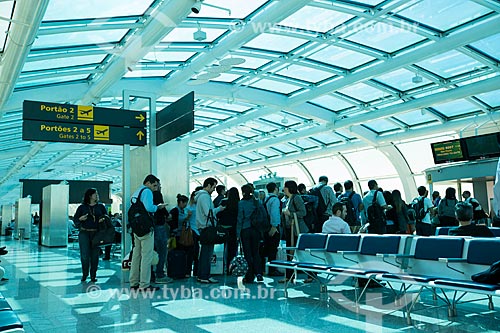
221	194
326	200
378	225
204	205
354	207
162	232
272	204
140	270
423	226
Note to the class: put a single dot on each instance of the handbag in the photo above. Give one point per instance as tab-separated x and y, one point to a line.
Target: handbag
186	238
212	234
238	265
105	235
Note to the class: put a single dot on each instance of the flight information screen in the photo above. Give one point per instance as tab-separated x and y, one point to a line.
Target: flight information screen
448	151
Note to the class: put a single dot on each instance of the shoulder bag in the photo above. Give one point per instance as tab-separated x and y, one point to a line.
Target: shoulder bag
186	238
212	234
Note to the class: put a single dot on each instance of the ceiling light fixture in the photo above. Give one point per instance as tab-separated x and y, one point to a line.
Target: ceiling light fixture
199	35
232	61
417	79
197	7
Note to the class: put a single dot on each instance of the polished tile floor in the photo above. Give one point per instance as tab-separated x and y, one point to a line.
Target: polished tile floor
44	289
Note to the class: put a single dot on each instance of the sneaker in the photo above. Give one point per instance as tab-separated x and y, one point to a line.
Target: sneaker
203	280
149	288
83	279
93	279
212	280
164	280
260	278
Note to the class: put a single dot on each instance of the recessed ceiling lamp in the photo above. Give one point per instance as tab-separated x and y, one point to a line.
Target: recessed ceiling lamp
232	61
218	69
199	35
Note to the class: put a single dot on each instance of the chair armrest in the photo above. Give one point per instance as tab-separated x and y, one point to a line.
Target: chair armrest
315	250
289	248
451	260
347	252
386	255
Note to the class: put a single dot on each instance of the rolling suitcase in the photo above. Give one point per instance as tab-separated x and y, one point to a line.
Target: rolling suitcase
176	264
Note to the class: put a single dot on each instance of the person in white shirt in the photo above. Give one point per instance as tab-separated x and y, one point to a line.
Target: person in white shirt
336	224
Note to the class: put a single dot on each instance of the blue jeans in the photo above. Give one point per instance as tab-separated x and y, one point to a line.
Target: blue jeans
206	253
89	255
161	238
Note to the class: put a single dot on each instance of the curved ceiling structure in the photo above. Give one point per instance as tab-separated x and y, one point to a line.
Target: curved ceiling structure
275	82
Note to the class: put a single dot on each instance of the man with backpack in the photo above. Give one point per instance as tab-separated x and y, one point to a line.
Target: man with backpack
374	206
326	200
142	255
422	207
354	205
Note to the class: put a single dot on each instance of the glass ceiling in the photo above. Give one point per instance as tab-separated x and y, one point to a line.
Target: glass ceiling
325	82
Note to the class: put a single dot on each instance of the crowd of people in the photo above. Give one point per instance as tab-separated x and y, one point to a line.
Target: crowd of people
288	213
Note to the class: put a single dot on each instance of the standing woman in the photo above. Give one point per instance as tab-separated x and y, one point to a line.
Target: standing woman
403	222
249	235
86	219
180	215
294	205
228	218
446	209
193	253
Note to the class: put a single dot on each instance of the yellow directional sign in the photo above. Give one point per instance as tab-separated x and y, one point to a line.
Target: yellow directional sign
140	135
101	133
85	113
140	117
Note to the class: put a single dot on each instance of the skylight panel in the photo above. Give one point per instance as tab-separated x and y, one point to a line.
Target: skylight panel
304	73
51	80
444	14
315	19
147	73
491	98
186	35
6	13
455	108
252	62
62	10
489	46
284	148
79	38
237	159
277	43
230	106
251	156
363	92
331	103
209	114
63	61
386	37
450	64
401	79
340	57
326	138
167	56
415	117
381	125
280	87
225	77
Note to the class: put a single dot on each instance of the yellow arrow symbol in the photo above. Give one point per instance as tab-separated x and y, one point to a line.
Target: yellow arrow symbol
140	135
140	118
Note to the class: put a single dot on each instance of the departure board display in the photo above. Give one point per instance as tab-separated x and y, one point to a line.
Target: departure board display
448	151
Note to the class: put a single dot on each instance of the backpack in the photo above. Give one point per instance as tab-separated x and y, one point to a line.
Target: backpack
489	276
376	217
419	210
259	218
350	218
311	203
139	219
316	191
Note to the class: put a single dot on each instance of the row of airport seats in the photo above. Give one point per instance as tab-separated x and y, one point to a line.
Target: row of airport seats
443	231
9	322
443	263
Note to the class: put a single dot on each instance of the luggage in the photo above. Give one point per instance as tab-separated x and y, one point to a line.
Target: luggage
176	264
217	262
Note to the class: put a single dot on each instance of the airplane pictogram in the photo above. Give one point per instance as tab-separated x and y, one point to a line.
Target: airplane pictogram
102	132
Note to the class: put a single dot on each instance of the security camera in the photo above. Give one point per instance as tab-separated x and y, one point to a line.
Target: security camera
196	7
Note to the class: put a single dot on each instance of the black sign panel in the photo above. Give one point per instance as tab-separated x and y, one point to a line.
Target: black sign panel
175	129
175	110
82	133
81	114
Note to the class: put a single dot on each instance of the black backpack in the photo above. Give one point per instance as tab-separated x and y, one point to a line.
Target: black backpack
259	218
419	209
316	191
376	217
350	218
489	276
311	203
139	219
